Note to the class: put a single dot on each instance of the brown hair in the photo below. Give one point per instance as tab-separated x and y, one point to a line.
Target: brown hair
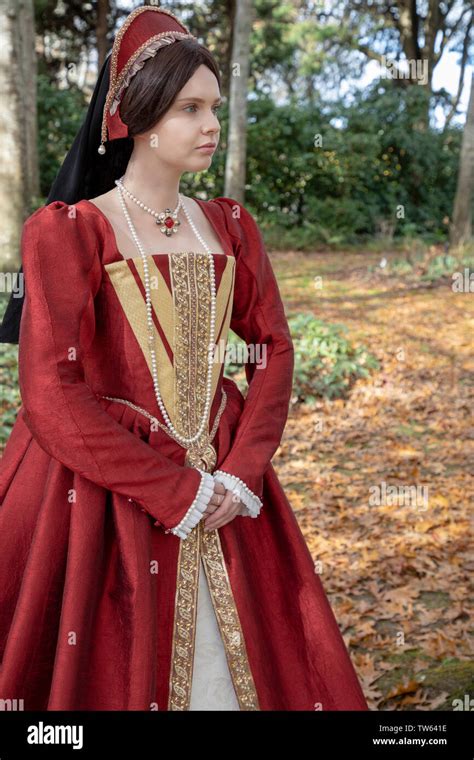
154	88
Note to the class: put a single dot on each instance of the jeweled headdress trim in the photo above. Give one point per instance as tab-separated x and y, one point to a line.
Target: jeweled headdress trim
144	32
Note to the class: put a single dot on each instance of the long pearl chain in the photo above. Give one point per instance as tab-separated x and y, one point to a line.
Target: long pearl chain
151	330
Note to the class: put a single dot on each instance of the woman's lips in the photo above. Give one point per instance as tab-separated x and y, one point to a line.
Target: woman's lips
207	148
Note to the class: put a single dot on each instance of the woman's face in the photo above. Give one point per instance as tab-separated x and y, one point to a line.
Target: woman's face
191	121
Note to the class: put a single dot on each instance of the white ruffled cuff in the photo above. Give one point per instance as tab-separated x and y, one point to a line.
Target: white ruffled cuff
195	511
252	502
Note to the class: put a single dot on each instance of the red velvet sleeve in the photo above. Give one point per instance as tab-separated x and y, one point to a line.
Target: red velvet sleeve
258	317
63	272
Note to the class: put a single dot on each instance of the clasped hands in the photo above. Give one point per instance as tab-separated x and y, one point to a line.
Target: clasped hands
223	506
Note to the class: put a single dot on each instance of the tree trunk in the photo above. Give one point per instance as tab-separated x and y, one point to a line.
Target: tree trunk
239	74
226	51
19	182
101	29
461	227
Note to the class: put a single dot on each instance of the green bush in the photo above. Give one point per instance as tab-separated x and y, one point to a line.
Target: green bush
346	174
327	364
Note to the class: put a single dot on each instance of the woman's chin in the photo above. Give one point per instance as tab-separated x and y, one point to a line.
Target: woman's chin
197	163
203	158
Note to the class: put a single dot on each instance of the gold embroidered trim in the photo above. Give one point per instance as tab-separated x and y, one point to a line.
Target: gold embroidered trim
164	427
182	658
228	619
184	629
190	283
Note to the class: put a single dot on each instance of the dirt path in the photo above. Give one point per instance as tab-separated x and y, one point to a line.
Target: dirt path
396	569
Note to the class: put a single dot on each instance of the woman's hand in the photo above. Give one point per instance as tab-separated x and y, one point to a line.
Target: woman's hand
222	508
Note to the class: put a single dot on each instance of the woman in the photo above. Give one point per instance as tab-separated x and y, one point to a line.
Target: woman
131	577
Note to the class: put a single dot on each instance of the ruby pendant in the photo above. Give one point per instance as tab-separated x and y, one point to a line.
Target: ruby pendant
168	222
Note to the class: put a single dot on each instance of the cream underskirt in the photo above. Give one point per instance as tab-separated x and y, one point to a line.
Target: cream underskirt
212	687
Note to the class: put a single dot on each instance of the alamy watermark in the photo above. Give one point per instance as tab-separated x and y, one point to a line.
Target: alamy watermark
414	69
12	282
241	353
383	495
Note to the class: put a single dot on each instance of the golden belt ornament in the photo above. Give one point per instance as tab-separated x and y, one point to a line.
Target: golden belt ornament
202	454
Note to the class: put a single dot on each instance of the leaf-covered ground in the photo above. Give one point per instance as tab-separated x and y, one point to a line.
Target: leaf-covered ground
396	572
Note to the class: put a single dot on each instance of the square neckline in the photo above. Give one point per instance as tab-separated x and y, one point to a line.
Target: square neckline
134	258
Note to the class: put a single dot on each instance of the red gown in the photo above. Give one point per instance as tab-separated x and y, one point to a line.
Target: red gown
97	596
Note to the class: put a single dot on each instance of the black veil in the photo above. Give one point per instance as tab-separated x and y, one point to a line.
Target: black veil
84	173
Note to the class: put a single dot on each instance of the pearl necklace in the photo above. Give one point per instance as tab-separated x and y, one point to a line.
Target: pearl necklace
167	219
151	330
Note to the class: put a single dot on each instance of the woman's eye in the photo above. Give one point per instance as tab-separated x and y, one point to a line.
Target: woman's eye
215	109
